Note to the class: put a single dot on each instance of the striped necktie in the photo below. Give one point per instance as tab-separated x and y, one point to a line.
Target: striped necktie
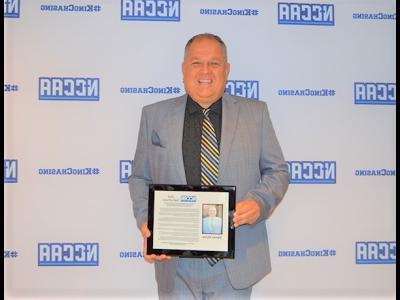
209	154
209	158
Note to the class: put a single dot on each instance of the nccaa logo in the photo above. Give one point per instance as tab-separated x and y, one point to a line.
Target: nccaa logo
68	254
243	88
306	14
188	198
10	170
125	170
373	252
312	172
374	93
150	10
11	8
69	88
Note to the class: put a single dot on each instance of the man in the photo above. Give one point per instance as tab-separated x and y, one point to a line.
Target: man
211	223
248	155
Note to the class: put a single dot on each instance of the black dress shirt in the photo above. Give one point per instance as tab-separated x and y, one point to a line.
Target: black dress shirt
192	136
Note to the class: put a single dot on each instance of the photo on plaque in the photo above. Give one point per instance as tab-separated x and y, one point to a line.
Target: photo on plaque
191	221
212	218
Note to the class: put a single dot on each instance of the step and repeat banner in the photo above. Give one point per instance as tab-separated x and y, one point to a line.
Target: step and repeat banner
76	76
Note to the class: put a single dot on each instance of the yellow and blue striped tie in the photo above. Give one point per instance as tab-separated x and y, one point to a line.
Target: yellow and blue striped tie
209	154
209	158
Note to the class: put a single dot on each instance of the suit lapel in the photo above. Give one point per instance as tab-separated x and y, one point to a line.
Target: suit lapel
230	113
175	131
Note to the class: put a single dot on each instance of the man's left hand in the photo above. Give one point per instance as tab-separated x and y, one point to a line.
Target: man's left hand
247	212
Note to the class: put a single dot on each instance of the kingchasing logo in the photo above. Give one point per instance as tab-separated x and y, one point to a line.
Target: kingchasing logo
375	16
71	8
10	87
376	252
10	254
249	12
11	8
244	88
306	92
307	253
379	93
68	254
305	14
131	254
377	172
69	171
69	88
150	90
304	172
150	10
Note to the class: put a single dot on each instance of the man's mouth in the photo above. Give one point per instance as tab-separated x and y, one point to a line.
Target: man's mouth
205	81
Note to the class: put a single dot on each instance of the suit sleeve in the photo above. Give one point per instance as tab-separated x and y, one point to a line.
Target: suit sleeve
269	192
140	179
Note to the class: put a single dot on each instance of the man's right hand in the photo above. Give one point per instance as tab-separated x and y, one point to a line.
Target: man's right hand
152	257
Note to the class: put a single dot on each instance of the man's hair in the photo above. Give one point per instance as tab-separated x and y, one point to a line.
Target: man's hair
212	206
208	36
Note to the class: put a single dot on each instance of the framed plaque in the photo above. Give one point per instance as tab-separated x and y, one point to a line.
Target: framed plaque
191	221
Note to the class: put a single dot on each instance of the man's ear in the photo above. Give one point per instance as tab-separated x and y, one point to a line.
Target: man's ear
228	69
183	68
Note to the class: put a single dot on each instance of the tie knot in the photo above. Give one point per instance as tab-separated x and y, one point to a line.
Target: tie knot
206	112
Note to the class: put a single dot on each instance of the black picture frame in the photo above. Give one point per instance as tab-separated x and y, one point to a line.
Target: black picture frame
180	251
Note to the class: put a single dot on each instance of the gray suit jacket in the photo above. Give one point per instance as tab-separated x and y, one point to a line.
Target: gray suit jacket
250	158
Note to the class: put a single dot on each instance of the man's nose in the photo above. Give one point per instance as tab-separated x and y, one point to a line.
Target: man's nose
205	68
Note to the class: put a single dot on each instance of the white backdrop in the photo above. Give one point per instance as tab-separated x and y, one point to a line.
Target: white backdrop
329	80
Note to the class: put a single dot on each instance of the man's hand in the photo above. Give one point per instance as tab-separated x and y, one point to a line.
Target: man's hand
152	257
247	212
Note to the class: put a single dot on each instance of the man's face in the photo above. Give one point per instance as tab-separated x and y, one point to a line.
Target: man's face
205	71
212	211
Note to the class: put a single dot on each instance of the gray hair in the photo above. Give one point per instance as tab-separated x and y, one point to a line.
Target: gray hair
208	36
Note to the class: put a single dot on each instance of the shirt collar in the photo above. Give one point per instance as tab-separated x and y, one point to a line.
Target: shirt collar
194	107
